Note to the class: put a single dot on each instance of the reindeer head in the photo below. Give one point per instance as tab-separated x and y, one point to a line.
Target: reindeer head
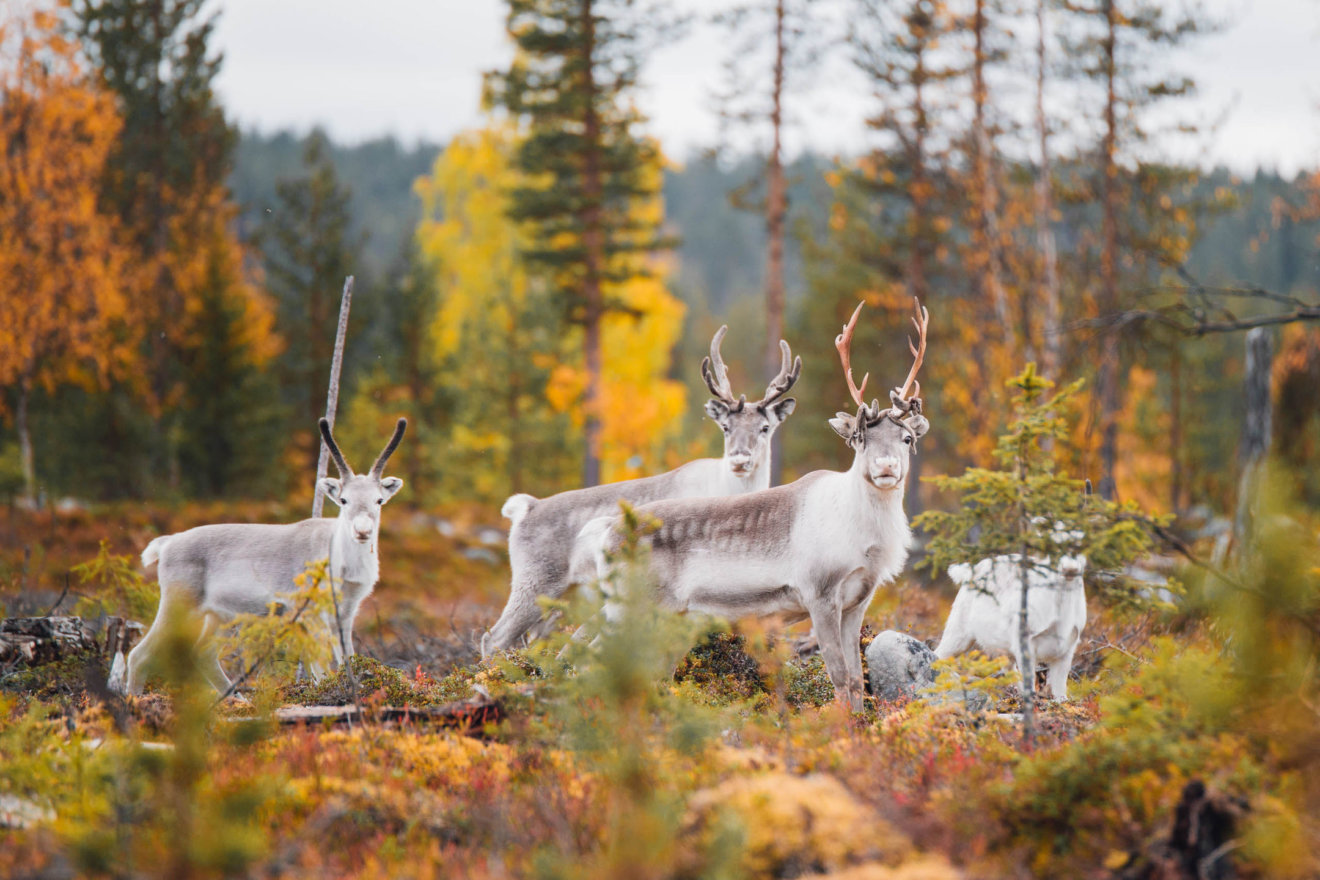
748	428
883	439
361	496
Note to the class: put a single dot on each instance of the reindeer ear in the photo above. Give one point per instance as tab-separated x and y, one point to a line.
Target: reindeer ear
783	408
845	425
331	487
917	424
717	410
390	485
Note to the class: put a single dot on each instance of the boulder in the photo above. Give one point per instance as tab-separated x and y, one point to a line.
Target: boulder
899	667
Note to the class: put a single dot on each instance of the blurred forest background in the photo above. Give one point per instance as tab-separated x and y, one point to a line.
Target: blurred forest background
172	283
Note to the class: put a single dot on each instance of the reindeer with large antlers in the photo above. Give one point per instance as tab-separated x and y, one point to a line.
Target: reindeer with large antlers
816	548
223	570
543	549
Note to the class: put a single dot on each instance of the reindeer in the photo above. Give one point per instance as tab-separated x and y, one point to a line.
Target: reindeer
816	548
543	552
223	570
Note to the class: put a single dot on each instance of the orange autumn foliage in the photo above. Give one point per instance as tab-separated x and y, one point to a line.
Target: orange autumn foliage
64	315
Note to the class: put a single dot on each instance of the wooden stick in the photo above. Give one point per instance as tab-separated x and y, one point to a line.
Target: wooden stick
332	396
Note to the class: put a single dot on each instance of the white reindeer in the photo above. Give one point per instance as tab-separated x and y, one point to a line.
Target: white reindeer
985	613
223	570
543	552
816	548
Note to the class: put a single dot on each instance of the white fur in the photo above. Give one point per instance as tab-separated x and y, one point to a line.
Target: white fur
219	571
816	548
985	613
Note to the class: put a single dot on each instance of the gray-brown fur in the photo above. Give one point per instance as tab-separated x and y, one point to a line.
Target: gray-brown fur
817	547
544	551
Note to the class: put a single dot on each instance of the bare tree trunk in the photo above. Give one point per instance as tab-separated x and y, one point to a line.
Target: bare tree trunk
1052	329
776	206
1176	431
332	395
1255	431
987	220
1108	381
594	245
25	441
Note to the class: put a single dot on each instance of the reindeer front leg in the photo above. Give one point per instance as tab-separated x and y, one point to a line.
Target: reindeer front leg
827	620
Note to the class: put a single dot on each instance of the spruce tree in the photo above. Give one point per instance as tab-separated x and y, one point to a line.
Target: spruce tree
307	251
571	85
167	181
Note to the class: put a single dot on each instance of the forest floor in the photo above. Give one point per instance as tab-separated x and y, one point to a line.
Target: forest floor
626	760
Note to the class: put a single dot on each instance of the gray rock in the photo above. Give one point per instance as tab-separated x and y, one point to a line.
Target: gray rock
480	554
899	667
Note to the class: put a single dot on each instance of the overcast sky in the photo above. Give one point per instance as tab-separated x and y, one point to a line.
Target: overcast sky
412	68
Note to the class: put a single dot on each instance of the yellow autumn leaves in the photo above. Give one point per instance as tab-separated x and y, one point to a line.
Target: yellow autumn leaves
501	346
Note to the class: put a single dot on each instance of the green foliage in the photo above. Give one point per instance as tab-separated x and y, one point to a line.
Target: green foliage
720	668
121	589
267	646
308	251
1026	507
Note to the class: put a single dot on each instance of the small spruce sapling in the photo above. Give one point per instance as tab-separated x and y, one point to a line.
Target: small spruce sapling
1027	508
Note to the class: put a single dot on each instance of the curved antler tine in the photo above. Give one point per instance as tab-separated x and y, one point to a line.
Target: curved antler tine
921	320
379	467
789	371
715	372
344	470
843	342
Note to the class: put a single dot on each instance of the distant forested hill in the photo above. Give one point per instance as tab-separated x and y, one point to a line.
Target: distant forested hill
379	172
721	259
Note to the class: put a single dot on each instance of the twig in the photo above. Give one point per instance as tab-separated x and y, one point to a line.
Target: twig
60	600
256	664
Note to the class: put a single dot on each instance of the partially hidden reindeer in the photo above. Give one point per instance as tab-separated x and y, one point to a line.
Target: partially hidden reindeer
543	552
219	571
816	548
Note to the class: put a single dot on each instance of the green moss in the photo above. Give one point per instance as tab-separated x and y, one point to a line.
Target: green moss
59	679
371	676
806	683
722	670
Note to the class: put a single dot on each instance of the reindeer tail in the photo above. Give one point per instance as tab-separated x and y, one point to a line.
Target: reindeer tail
517	507
152	552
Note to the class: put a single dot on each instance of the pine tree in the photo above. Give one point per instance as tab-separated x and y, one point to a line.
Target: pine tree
571	83
166	180
307	251
757	89
1108	40
64	319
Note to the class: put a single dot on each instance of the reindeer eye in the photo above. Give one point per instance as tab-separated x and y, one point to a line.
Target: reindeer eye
907	439
765	429
380	500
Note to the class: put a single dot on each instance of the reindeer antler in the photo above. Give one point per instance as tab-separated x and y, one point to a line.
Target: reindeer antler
379	467
716	373
344	470
789	371
920	321
843	342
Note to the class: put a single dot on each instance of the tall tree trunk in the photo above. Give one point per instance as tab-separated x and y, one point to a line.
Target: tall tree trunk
919	191
776	207
986	229
1255	431
1108	382
1176	431
25	440
1052	324
594	246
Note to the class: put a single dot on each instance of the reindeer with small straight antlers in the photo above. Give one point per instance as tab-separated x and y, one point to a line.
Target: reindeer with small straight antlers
223	570
543	548
816	548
